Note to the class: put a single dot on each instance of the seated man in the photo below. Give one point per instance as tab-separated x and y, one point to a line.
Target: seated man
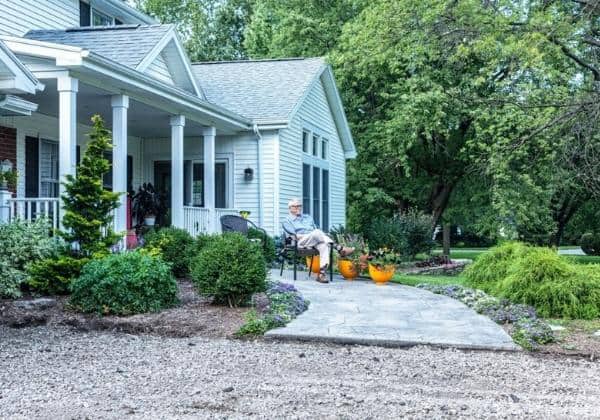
303	226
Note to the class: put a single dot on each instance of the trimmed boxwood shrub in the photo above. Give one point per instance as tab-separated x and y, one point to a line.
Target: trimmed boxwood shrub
590	243
175	247
230	268
124	284
492	266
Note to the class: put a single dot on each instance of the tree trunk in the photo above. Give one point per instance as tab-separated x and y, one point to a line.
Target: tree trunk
446	239
439	198
563	215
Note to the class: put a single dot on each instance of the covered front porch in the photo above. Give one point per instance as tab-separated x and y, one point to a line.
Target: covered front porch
161	135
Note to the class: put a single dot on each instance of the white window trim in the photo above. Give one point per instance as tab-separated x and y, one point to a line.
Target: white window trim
40	179
100	12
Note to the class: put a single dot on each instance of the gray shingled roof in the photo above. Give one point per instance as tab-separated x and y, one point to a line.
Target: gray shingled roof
125	44
261	90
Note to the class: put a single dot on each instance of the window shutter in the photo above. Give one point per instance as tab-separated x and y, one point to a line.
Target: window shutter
32	167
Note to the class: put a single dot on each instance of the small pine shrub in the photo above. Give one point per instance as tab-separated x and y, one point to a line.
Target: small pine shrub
124	284
552	285
54	275
590	243
174	245
492	266
22	243
230	268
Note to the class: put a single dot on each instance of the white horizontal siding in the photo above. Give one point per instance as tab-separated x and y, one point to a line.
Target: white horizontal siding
20	16
313	113
160	70
43	126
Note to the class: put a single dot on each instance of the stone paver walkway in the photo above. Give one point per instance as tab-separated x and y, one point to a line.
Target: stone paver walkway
359	312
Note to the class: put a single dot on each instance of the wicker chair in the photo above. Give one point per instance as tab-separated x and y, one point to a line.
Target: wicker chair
291	252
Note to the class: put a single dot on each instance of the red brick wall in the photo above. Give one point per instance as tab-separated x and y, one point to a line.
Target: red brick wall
8	144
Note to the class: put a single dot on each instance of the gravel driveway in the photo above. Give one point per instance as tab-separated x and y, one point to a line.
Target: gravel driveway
61	373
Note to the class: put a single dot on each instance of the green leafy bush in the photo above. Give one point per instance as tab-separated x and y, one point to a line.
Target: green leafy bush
552	285
230	268
268	247
175	246
590	243
124	284
54	275
408	233
21	243
492	266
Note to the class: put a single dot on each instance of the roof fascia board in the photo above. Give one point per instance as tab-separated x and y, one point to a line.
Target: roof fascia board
16	105
305	94
154	52
23	80
64	55
339	115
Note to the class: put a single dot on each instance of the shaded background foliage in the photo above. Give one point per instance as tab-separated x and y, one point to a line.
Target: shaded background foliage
482	113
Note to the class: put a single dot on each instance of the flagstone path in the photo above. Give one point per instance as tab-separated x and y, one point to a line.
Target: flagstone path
359	312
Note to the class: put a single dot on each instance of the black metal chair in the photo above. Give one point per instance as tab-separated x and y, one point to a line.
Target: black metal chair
291	251
233	223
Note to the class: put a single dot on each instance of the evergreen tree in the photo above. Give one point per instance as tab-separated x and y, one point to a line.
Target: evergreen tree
87	205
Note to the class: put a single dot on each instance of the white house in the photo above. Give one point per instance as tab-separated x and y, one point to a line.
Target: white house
217	137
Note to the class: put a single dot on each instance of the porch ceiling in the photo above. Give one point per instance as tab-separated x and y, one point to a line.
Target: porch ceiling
143	120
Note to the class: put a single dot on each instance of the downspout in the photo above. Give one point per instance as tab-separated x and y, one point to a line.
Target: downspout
259	174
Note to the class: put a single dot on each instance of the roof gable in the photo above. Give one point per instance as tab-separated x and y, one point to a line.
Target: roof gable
135	46
271	92
263	90
14	76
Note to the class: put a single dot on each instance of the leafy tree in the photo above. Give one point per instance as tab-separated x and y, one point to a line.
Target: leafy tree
298	28
87	205
211	29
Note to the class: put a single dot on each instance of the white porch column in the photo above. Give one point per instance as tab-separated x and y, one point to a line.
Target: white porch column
120	105
67	129
209	134
177	124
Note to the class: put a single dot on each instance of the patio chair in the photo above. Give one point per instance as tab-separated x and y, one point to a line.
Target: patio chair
291	251
233	223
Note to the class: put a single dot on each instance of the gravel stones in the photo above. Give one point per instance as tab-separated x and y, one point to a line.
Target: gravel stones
166	378
36	304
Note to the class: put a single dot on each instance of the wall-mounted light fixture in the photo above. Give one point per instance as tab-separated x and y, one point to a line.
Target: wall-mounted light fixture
248	174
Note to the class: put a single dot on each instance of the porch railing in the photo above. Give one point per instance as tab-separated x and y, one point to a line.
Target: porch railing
32	208
197	219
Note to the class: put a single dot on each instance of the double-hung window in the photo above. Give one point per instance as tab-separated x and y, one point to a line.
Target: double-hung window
48	168
315	177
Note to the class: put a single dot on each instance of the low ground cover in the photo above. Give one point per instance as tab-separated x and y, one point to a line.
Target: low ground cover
278	305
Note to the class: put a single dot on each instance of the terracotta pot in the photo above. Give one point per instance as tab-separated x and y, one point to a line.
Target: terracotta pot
348	269
381	275
316	265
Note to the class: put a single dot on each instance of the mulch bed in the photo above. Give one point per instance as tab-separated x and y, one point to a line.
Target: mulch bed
195	316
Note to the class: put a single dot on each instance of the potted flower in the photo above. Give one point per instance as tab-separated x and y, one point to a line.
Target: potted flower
147	205
351	265
382	265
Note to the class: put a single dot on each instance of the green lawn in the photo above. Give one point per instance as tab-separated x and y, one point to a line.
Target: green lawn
473	254
412	280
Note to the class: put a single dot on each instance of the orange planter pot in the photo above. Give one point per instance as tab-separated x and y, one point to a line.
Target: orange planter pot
316	264
381	276
348	269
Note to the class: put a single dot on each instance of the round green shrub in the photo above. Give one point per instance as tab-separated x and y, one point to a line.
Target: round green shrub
174	245
230	268
556	288
590	243
124	284
492	266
